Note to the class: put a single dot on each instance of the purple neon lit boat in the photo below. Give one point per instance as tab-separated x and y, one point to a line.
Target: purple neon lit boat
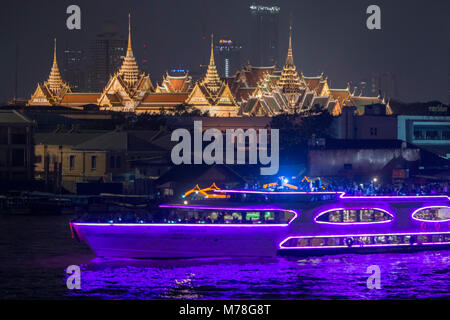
264	223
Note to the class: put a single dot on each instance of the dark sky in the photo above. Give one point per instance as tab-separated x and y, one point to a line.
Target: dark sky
329	36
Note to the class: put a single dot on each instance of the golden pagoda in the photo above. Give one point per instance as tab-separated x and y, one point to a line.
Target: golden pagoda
290	82
290	92
213	95
52	91
128	87
212	80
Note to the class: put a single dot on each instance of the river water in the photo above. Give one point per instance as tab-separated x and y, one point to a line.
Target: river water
35	252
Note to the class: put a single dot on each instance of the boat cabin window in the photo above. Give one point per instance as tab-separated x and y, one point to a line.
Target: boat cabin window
432	214
277	197
220	216
353	216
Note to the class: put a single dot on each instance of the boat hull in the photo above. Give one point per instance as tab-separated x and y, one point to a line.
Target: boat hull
175	241
314	252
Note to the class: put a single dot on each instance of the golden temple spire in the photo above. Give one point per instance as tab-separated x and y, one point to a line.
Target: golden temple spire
290	56
54	79
55	62
130	49
130	70
212	79
211	60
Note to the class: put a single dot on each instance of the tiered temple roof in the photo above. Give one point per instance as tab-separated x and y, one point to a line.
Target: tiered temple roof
52	91
175	84
253	91
128	87
290	82
211	94
246	80
290	92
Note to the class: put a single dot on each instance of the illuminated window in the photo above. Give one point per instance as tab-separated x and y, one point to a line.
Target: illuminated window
94	162
432	214
72	162
422	238
317	242
353	216
333	241
380	240
303	242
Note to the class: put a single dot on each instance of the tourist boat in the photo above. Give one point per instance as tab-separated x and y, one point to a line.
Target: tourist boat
262	223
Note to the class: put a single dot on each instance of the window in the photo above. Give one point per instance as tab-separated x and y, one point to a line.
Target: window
18	157
348	166
3	135
94	162
219	216
432	135
432	214
118	162
344	216
18	135
418	135
373	131
112	162
72	162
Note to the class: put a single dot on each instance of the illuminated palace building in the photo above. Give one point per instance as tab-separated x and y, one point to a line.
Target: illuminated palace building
252	91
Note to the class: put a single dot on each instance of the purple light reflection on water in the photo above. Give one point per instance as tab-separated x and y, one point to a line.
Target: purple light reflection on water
403	276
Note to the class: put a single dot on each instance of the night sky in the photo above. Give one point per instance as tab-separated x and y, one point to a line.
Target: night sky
329	36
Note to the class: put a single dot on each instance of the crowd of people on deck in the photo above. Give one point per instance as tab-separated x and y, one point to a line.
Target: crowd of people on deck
368	188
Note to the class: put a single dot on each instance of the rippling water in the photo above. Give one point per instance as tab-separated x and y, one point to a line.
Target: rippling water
35	251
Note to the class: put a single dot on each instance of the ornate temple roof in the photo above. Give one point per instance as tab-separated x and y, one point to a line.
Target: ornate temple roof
212	94
79	98
129	70
173	84
128	87
54	79
212	80
165	98
53	90
290	82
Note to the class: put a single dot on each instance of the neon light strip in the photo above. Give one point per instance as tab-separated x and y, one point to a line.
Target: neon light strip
363	246
280	192
354	235
430	207
173	225
353	223
340	193
394	197
176	206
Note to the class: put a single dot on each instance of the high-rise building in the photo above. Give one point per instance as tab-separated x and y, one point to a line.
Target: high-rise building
73	68
384	84
145	65
107	53
265	35
229	57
